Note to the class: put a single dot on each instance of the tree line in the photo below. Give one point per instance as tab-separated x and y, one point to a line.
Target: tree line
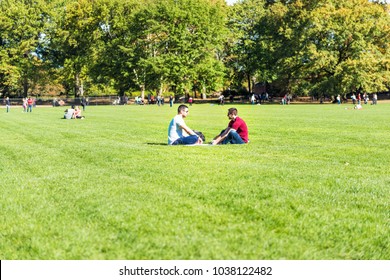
93	47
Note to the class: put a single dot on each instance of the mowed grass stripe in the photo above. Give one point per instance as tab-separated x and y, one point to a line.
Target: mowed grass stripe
312	183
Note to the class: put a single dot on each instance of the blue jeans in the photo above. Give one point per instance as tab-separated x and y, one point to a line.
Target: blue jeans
233	138
188	140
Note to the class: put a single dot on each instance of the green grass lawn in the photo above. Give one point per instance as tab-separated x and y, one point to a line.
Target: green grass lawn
313	183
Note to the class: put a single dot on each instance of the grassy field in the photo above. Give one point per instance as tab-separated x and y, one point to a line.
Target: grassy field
313	183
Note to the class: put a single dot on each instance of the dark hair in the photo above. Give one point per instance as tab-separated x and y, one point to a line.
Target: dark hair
181	107
232	111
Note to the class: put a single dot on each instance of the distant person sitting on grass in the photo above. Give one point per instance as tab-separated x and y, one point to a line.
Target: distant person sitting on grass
69	113
235	133
179	133
77	113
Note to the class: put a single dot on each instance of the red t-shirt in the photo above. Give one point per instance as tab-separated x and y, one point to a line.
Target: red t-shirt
240	126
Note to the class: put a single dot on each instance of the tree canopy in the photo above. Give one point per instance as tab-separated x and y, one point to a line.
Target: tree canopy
92	47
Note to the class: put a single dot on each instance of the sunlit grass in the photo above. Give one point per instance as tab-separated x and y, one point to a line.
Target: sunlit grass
313	183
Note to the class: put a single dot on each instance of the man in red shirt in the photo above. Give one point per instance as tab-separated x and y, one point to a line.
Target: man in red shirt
30	102
235	133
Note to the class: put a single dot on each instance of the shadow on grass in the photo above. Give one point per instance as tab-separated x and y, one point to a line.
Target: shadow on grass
157	144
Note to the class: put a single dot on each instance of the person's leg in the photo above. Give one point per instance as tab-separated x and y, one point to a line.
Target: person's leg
233	138
189	140
178	142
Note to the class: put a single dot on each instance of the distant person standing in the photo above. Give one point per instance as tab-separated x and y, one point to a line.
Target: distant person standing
158	100
7	104
365	98
30	103
353	97
253	99
284	99
83	103
24	105
374	99
170	101
221	99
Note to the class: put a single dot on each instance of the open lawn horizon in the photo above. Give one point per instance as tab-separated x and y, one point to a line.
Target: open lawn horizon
313	183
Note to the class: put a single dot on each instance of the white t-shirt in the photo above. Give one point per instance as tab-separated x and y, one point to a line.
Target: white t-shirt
174	130
69	113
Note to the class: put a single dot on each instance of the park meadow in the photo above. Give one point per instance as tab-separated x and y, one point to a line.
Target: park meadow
312	184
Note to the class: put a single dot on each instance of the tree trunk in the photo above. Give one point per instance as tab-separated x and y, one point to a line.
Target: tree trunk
142	91
249	83
160	90
76	84
81	88
25	87
161	86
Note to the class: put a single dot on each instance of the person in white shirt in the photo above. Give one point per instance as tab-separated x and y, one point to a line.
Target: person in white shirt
69	113
179	133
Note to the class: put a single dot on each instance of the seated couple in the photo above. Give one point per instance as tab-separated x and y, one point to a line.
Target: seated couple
73	113
180	134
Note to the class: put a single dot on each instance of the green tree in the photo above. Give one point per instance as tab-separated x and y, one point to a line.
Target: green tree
242	52
22	25
350	46
114	54
175	41
72	39
324	46
281	36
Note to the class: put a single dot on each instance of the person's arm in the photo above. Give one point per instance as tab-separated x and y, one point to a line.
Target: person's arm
190	132
187	129
219	138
